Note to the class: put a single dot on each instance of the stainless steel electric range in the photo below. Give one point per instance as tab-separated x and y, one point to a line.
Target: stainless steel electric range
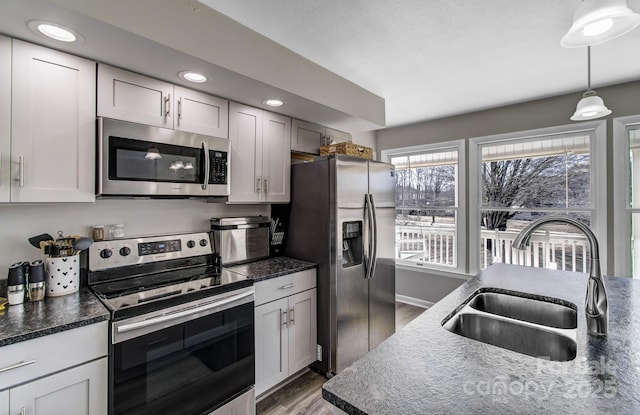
181	329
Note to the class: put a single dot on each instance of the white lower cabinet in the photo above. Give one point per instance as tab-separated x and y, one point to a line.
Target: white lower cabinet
286	327
4	402
59	374
79	391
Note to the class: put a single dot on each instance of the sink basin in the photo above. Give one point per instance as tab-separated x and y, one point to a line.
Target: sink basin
526	309
524	323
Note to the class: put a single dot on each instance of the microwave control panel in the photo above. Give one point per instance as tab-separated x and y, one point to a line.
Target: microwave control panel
218	170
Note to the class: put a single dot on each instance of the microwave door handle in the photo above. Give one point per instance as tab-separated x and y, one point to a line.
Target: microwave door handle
207	167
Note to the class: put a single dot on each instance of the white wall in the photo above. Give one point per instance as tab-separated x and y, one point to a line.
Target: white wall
140	217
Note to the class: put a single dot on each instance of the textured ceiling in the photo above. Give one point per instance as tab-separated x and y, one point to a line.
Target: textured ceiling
434	58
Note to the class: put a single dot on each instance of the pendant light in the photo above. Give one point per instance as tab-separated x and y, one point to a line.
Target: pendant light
597	21
153	154
591	106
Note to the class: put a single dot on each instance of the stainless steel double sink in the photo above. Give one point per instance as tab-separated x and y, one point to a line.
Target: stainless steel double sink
533	325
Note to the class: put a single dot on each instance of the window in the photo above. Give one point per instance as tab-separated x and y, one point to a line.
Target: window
428	215
627	196
522	177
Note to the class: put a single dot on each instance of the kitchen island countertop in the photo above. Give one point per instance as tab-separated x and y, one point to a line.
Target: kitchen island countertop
425	369
52	315
265	269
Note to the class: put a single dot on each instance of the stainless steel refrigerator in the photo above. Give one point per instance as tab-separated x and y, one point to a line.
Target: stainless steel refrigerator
343	217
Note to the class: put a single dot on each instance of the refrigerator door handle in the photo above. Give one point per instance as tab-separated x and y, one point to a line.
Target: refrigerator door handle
370	248
374	237
366	239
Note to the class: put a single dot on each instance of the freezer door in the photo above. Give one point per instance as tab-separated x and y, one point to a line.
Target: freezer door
352	315
382	285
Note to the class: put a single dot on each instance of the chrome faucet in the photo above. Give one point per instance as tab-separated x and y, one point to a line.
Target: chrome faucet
596	307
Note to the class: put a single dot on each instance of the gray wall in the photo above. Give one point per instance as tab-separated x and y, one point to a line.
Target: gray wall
622	99
423	286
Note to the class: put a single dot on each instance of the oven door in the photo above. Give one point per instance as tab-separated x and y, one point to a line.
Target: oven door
140	160
190	359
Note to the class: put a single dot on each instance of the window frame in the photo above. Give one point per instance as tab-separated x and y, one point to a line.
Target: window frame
598	208
461	209
622	207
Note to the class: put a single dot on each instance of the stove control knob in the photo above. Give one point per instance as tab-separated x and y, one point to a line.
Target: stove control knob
191	244
204	242
125	251
106	253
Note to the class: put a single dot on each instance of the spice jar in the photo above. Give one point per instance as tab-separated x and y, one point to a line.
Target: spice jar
97	233
36	287
15	284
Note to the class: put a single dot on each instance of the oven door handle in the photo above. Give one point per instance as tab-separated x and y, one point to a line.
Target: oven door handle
184	313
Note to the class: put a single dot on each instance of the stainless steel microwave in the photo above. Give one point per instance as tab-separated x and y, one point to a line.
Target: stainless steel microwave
141	160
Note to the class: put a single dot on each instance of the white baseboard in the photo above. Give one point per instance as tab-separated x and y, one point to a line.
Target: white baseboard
413	301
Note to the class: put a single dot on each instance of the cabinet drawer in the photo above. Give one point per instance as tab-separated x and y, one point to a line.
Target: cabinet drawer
279	287
51	353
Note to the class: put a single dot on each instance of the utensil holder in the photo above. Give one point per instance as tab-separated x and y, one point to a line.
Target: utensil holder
63	275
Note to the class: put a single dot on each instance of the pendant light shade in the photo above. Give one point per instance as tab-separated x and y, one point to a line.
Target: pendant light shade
597	21
153	154
591	106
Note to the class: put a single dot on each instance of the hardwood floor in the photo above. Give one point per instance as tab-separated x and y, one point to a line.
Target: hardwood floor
303	396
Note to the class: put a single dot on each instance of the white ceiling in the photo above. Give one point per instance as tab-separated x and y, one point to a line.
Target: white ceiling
435	58
413	59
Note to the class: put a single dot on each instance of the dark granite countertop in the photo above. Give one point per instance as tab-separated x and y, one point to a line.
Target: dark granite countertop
265	269
425	369
54	314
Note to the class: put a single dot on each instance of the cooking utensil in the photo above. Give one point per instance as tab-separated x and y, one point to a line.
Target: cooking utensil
35	240
81	244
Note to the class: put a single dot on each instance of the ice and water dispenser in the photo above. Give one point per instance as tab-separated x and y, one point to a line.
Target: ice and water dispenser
351	243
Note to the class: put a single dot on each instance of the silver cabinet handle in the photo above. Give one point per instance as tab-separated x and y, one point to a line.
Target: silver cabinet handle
167	106
21	171
284	318
17	365
266	185
292	315
23	411
258	182
180	109
284	287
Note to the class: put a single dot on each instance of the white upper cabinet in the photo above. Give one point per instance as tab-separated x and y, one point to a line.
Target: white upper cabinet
128	96
307	137
201	113
5	118
52	126
261	155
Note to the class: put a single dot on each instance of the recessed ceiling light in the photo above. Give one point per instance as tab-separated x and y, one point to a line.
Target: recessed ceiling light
273	102
192	76
55	31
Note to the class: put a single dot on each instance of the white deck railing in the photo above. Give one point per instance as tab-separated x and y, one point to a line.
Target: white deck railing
437	246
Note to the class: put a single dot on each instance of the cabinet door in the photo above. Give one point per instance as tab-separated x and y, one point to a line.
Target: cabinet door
79	391
302	330
338	136
53	126
276	157
4	403
5	119
127	96
201	113
272	347
245	135
306	137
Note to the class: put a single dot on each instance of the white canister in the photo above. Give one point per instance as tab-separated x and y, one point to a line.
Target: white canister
63	275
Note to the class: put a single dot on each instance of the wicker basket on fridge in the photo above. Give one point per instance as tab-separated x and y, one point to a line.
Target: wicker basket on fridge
348	149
